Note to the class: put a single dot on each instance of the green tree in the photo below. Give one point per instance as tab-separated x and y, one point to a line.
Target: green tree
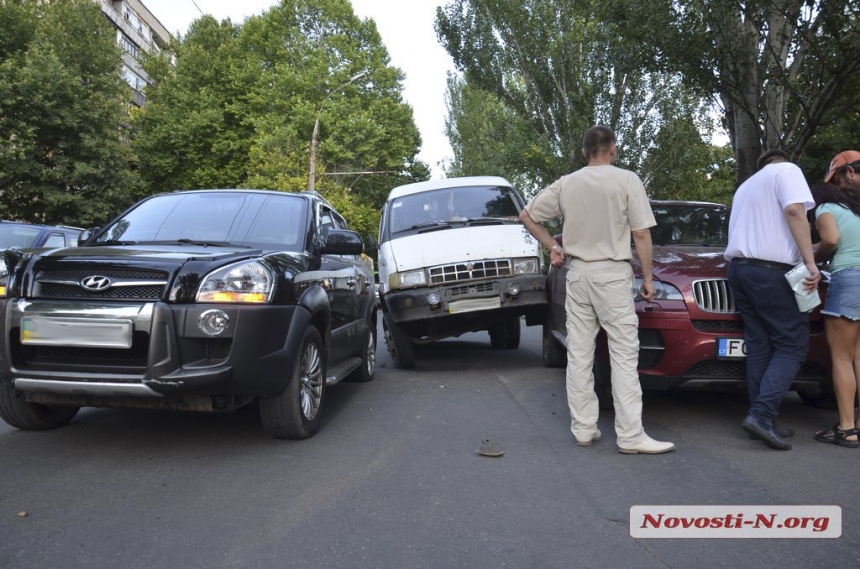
556	66
62	115
240	105
779	68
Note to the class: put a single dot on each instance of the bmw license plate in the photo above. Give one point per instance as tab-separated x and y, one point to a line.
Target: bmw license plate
77	332
731	348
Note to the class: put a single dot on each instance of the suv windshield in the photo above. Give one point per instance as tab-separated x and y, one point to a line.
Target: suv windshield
447	205
218	217
690	224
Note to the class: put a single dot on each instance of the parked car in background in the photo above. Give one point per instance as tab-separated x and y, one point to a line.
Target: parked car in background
690	336
204	300
28	235
454	258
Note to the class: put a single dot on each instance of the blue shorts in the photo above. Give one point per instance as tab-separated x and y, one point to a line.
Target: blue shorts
843	294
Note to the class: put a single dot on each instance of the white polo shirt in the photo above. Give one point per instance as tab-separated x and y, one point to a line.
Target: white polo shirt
757	227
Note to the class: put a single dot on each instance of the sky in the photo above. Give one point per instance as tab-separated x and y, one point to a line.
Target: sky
406	28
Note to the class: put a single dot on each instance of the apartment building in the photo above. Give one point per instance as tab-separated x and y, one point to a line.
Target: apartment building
138	31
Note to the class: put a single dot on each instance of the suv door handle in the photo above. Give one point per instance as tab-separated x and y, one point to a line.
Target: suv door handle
350	282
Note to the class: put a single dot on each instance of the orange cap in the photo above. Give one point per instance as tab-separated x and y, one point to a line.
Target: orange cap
840	160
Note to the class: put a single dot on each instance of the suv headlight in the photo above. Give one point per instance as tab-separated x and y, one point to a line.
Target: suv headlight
665	291
4	277
525	266
407	279
249	281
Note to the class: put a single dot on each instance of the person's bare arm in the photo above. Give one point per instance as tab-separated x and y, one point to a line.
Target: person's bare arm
795	215
829	232
556	252
642	240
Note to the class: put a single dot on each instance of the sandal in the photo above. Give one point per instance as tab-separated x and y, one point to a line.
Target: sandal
837	436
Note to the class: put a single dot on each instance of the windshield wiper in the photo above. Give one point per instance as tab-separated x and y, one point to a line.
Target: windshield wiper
115	242
434	224
196	242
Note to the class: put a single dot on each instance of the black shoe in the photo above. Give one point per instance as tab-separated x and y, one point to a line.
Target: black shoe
784	432
770	438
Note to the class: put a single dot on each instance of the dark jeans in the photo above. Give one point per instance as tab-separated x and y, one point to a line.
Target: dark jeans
776	334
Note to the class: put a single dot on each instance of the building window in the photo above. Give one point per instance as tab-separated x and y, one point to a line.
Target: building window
136	82
128	45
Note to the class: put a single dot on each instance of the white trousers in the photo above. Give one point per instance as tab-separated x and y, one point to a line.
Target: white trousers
599	294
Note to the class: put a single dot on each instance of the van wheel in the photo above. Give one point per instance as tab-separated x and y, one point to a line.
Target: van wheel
16	411
506	336
399	345
554	355
295	412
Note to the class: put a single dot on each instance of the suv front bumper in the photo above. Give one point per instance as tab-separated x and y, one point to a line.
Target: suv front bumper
169	356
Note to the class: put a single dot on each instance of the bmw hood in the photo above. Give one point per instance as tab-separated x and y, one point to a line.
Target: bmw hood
692	261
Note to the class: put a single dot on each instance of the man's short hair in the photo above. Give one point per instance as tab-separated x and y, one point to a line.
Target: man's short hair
771	156
597	139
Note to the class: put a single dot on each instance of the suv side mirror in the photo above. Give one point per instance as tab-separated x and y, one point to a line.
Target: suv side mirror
86	235
342	242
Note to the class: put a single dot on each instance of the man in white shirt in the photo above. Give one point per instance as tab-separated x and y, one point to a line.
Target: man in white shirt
768	235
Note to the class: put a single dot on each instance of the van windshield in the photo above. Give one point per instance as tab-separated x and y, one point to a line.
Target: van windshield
449	205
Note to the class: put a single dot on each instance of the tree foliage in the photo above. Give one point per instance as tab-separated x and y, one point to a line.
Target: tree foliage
239	106
62	115
539	73
781	69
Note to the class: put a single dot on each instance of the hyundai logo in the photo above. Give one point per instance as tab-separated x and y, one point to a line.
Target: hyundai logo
96	283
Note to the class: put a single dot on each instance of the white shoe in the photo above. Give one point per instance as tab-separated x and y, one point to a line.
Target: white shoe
647	445
587	442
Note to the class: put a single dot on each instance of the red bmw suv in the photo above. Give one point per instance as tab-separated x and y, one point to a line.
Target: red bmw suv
690	336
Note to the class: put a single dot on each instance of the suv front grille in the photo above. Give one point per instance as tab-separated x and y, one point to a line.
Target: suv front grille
714	295
470	271
126	284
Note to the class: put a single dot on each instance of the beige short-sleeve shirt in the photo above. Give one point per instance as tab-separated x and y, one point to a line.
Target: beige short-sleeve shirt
601	205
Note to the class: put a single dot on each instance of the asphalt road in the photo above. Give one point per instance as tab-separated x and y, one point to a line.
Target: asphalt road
393	479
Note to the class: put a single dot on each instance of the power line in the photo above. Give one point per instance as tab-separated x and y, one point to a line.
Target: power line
198	8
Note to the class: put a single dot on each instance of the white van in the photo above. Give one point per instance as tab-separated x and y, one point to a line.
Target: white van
454	258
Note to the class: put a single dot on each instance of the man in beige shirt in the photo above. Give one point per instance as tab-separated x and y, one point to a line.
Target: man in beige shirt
601	205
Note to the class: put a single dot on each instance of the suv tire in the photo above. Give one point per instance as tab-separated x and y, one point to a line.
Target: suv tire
295	412
20	414
367	369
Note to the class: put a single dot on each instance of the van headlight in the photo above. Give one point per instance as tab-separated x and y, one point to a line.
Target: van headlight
525	266
407	279
4	277
665	291
248	281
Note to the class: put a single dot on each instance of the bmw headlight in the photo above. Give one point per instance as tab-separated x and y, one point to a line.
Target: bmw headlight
665	291
525	266
407	279
249	281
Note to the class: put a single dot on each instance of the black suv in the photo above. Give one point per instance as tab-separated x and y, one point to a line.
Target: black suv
28	235
202	300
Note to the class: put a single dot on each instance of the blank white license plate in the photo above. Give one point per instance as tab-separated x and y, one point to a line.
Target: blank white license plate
731	348
77	332
473	305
